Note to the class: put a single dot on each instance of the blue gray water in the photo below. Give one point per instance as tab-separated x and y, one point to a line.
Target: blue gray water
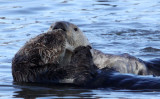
112	26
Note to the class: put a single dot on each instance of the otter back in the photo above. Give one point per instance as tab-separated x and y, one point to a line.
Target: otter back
38	55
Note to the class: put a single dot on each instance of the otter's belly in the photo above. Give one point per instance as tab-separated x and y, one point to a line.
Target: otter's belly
123	63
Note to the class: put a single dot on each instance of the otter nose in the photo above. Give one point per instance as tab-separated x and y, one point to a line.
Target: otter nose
59	25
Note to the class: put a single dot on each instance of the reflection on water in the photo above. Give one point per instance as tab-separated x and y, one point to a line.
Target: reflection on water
39	91
51	91
112	26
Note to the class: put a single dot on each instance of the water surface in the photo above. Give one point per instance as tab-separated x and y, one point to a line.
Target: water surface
112	26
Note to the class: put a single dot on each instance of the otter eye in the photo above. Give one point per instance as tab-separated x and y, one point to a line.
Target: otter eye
76	29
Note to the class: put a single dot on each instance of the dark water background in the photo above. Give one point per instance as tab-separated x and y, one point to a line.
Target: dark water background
112	26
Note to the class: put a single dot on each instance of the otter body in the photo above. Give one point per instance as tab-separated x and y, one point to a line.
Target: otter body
123	63
126	63
82	72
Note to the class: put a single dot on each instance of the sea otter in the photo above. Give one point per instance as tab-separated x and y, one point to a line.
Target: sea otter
47	58
53	48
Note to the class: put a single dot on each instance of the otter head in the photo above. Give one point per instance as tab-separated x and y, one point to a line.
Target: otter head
75	36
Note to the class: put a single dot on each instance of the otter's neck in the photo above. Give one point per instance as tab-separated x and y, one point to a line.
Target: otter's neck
66	58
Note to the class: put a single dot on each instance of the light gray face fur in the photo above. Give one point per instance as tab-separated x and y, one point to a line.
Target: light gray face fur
75	36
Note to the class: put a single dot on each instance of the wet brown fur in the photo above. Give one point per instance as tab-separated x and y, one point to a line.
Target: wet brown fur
81	69
38	56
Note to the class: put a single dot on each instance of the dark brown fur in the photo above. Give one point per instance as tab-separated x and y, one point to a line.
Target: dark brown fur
38	56
81	69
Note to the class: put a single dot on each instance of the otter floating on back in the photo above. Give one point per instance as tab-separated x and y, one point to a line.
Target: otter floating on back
47	58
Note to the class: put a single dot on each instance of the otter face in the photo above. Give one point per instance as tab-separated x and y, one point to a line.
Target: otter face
75	36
